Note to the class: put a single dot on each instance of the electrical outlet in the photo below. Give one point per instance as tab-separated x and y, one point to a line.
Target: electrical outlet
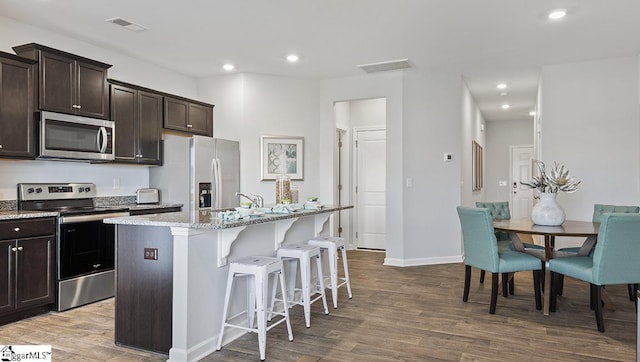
151	253
448	157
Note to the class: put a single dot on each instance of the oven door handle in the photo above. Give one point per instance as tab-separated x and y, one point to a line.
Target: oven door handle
92	217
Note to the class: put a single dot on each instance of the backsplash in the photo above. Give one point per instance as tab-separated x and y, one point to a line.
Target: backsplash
8	205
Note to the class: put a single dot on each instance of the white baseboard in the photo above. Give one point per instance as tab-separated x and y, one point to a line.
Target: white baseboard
423	261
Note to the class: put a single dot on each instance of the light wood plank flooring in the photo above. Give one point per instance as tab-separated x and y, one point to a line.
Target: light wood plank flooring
396	314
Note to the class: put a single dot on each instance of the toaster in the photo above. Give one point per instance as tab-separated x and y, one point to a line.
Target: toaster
147	196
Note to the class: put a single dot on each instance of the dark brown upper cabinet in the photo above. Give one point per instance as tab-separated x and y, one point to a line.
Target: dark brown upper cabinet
69	83
17	104
186	115
137	113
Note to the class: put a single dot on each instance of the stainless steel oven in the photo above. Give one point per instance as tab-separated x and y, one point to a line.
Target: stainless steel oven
64	136
85	256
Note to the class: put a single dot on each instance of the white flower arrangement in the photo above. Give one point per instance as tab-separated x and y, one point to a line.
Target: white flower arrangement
558	179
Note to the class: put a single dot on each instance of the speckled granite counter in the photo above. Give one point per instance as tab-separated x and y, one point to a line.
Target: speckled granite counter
206	219
8	209
178	263
13	215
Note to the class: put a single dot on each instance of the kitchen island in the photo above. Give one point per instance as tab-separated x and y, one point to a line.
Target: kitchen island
171	273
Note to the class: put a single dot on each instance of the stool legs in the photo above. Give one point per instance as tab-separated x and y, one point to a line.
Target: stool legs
321	283
225	309
346	270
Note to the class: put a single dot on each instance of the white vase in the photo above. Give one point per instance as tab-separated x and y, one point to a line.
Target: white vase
547	211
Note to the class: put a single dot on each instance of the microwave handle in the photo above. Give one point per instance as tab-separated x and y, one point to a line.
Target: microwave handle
102	136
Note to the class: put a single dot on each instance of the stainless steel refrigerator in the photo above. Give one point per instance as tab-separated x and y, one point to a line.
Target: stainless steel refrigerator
198	172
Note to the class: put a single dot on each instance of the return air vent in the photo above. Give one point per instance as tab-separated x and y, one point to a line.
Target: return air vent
384	66
127	24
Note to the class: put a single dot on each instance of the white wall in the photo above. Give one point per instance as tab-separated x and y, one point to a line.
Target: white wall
368	112
499	137
472	123
590	123
386	85
423	112
252	105
124	68
431	125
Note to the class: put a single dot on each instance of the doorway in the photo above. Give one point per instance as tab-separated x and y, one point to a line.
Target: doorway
354	120
521	170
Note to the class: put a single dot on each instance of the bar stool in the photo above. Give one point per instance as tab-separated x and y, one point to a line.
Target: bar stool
303	254
331	244
258	268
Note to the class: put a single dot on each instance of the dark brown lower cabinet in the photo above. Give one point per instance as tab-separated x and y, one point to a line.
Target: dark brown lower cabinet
27	278
144	287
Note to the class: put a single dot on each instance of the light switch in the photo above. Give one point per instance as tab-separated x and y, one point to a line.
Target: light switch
409	182
502	183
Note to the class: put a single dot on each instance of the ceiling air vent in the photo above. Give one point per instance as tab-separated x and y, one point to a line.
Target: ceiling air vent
127	24
384	66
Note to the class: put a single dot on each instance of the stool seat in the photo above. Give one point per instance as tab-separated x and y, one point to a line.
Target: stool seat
259	269
302	254
331	244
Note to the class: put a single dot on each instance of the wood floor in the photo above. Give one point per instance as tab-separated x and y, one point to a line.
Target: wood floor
396	314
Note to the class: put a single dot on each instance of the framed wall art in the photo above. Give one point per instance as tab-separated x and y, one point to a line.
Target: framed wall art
281	156
476	166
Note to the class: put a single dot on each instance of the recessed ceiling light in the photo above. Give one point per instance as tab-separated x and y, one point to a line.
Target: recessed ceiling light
501	86
557	14
228	67
292	58
532	113
505	106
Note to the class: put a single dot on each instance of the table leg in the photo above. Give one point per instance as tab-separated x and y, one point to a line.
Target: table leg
548	240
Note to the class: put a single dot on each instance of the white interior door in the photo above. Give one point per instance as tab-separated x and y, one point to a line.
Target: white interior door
521	170
370	146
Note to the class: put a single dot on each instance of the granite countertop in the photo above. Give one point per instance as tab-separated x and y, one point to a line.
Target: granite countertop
207	219
19	214
16	214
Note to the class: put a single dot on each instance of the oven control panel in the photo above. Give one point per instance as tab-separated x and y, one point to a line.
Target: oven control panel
42	191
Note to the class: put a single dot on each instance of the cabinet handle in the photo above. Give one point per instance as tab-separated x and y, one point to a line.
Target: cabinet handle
20	248
0	146
79	106
189	126
96	266
16	229
74	106
14	249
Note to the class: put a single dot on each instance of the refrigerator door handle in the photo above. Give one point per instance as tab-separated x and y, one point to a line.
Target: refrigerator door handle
216	178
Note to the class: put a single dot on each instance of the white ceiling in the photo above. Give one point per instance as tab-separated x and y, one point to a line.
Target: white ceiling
489	41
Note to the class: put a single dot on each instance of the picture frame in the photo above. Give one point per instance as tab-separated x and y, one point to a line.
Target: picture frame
476	161
281	155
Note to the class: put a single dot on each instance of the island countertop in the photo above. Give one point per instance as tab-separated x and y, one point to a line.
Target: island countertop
208	219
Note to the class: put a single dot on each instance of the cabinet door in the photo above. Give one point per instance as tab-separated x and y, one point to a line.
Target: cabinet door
199	119
123	113
35	282
56	83
7	276
92	96
16	109
149	128
175	114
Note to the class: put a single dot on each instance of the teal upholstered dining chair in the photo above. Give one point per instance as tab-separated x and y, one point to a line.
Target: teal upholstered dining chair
481	251
500	211
613	260
587	247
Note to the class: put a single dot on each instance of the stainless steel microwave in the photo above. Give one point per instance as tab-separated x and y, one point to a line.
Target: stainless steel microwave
68	137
